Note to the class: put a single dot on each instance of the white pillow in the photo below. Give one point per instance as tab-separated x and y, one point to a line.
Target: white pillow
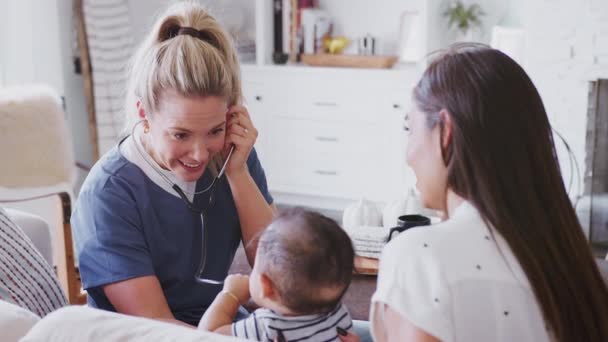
80	323
15	321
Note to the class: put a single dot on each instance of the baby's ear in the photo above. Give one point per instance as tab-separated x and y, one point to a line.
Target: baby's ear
269	290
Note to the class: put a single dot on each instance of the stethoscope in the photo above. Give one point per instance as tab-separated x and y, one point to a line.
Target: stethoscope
198	276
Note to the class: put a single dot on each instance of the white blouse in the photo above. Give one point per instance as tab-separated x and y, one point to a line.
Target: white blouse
457	282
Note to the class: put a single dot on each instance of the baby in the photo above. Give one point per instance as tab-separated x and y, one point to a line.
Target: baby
303	267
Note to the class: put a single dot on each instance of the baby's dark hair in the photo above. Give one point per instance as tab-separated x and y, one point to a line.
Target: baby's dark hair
309	258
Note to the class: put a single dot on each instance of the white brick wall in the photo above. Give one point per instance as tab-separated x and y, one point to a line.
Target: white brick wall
566	47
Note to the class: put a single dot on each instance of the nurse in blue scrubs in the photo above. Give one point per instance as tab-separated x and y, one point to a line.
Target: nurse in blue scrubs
139	241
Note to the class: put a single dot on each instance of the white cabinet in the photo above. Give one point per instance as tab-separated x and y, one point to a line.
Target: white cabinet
329	136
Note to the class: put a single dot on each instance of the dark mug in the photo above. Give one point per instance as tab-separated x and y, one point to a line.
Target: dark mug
408	221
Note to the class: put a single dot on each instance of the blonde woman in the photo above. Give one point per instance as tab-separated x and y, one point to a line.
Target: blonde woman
153	235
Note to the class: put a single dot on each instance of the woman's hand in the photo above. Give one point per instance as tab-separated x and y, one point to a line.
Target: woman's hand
241	133
238	285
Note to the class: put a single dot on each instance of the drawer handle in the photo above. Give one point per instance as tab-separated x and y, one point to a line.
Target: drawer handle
325	104
258	98
326	172
327	139
396	105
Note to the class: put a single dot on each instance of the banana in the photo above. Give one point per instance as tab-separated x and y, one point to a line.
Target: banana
335	45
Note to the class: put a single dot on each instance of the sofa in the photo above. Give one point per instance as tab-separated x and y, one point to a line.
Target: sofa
80	323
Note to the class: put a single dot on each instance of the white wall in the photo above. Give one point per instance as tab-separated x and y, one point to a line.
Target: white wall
30	48
566	47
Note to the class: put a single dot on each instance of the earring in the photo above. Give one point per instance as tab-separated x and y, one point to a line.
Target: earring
146	127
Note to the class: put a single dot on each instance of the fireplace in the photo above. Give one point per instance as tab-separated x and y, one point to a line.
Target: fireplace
593	207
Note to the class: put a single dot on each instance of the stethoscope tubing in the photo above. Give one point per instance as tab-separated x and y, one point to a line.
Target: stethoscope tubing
198	277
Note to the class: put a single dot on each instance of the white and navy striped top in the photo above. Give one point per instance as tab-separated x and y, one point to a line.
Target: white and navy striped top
26	279
264	325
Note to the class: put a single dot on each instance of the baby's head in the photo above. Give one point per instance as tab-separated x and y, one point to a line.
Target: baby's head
304	264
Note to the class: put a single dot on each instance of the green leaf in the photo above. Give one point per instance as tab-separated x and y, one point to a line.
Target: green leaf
463	17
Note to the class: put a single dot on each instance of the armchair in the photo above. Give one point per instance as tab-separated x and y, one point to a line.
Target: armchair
37	173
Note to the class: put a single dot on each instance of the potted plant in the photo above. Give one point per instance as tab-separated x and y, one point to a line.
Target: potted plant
464	18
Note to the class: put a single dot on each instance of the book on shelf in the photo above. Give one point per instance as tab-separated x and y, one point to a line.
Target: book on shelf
287	27
277	17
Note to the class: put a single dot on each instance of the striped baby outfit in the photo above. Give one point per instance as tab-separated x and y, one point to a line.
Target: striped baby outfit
26	279
264	325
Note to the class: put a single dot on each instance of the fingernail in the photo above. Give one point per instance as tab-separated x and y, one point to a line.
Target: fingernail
341	331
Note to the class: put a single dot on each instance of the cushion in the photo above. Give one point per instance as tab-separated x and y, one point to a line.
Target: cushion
15	321
26	279
26	109
80	323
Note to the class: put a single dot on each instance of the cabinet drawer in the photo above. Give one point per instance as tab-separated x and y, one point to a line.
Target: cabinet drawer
317	157
335	101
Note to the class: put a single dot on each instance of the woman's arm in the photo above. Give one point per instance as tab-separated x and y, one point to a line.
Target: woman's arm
253	210
142	296
391	326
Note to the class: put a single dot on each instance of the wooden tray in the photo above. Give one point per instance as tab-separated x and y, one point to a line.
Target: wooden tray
366	266
349	61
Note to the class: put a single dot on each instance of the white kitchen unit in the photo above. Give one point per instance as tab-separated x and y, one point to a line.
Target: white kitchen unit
328	136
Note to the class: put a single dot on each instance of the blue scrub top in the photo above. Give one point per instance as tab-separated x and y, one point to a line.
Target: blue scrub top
126	226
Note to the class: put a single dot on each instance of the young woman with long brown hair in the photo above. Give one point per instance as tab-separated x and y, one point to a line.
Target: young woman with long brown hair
510	262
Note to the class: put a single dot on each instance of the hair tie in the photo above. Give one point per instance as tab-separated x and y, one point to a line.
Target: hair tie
190	31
